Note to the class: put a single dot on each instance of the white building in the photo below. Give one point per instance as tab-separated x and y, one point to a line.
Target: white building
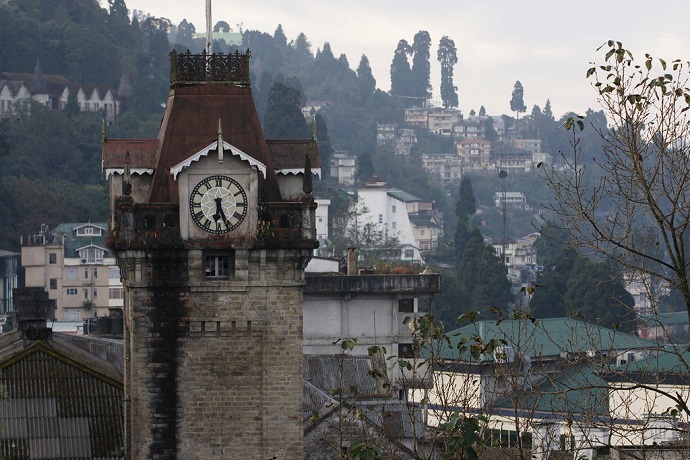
322	220
344	167
388	209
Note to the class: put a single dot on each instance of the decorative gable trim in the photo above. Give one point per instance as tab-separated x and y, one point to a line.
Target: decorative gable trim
175	170
296	171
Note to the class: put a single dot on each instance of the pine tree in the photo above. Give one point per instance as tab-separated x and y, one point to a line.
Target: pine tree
283	119
517	103
365	76
448	57
421	68
401	73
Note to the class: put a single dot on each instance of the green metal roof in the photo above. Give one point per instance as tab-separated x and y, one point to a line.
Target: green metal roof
74	242
665	319
539	339
403	196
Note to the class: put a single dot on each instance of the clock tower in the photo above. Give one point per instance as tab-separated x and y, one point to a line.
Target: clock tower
212	227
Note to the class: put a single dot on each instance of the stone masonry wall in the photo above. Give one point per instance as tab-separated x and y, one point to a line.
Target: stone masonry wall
214	368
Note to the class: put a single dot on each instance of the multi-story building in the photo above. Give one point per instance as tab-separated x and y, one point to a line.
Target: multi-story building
443	168
475	154
344	167
388	210
417	116
441	121
17	90
512	160
9	261
73	264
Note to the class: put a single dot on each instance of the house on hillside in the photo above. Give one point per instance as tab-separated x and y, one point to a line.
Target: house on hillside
76	268
17	90
388	211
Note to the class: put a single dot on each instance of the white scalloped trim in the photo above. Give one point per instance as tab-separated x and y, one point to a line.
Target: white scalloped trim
175	170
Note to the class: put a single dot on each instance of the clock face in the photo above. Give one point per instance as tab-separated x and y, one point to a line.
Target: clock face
218	204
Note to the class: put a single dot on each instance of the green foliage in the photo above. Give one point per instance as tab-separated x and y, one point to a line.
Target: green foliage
517	103
447	55
421	68
572	285
284	118
401	72
463	435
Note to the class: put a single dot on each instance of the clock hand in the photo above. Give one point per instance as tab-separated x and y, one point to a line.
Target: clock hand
220	214
219	211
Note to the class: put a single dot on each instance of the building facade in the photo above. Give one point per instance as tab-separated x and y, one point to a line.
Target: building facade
73	264
9	263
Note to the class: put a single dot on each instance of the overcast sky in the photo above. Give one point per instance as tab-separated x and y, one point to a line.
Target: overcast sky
546	45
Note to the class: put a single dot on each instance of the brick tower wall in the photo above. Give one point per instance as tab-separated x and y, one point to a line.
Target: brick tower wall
217	364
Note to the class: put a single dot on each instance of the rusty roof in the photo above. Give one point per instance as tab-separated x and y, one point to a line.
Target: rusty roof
190	123
142	154
289	155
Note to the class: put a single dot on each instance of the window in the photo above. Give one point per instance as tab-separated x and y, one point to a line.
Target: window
394	225
88	230
86	294
95	273
409	253
393	209
95	293
405	350
91	254
116	293
86	273
380	218
114	273
217	266
406	305
72	314
71	291
421	232
52	258
53	283
72	273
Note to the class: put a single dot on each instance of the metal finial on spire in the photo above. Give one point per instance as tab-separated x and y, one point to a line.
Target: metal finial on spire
209	29
313	129
126	179
220	142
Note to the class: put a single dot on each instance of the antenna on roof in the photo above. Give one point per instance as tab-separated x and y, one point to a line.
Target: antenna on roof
209	30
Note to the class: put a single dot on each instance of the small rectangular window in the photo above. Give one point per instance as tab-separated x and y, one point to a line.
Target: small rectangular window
95	273
114	273
219	266
406	305
71	291
380	218
72	273
52	258
116	293
95	293
53	283
86	273
86	294
405	350
393	209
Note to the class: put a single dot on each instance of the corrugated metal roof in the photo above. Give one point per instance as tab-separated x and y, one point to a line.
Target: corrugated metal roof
544	337
57	407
